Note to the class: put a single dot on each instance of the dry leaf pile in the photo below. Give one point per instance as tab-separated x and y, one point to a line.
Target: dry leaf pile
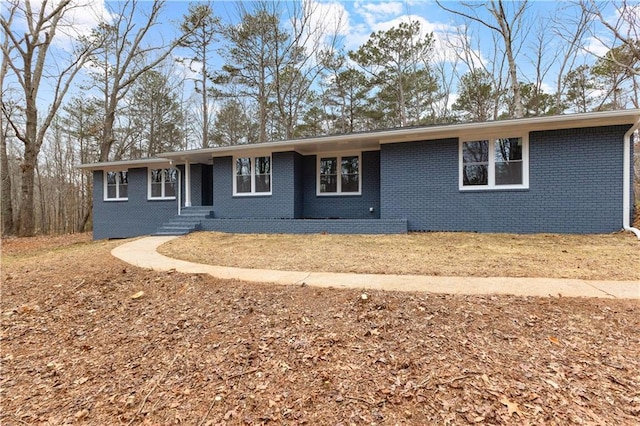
87	339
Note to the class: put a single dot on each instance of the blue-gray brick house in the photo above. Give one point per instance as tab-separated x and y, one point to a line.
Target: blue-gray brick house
558	174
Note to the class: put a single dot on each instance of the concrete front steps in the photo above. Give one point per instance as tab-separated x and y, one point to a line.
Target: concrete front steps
189	220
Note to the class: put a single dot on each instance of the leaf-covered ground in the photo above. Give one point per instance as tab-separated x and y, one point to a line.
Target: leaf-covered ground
88	339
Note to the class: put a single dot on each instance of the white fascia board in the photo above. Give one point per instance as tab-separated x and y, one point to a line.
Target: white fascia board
159	163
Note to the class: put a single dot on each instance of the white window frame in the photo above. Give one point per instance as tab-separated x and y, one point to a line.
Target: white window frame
338	157
105	185
163	196
253	192
491	185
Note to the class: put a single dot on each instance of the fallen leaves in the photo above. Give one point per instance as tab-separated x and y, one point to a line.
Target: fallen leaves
202	351
512	407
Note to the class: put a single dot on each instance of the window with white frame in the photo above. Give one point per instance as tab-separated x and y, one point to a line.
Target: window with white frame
116	186
162	184
252	176
339	174
494	163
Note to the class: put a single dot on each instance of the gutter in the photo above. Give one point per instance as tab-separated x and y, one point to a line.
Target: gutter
626	181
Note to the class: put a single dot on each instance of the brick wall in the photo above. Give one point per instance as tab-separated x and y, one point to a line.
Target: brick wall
306	226
136	216
343	206
281	204
575	186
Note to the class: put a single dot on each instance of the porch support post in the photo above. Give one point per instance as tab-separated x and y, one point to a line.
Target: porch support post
187	183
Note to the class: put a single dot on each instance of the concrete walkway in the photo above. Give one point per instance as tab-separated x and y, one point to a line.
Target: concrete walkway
142	252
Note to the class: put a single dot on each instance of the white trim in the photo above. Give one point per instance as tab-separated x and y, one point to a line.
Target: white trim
119	165
105	190
338	156
162	186
187	183
491	186
179	197
253	192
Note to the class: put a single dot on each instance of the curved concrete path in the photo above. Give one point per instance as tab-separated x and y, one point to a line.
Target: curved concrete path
142	252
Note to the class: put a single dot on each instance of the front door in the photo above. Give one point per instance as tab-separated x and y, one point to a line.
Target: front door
207	185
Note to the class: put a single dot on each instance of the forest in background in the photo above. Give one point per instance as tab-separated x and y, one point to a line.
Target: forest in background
279	71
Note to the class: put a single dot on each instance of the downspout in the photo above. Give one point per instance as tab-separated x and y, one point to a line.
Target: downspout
626	181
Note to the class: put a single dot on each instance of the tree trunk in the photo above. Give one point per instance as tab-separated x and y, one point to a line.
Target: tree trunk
107	135
513	73
83	223
262	107
27	217
45	221
7	203
205	103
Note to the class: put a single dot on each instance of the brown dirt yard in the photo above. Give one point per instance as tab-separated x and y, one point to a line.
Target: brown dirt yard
590	257
88	339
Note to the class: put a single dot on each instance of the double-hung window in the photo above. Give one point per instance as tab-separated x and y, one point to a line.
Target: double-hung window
116	186
162	184
494	163
339	174
252	176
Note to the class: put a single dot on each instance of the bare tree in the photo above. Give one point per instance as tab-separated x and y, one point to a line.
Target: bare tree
27	58
467	47
82	125
571	30
7	203
125	56
621	36
624	29
507	25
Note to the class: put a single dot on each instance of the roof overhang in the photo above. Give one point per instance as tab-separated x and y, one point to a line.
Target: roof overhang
368	141
127	164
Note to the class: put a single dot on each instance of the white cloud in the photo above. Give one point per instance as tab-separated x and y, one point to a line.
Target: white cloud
373	12
596	46
79	18
84	15
331	16
547	88
624	17
188	69
446	39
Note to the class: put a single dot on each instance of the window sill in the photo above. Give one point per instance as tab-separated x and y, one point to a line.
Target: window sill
111	200
338	194
252	194
160	198
494	189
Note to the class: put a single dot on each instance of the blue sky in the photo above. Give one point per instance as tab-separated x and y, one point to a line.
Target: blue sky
358	18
